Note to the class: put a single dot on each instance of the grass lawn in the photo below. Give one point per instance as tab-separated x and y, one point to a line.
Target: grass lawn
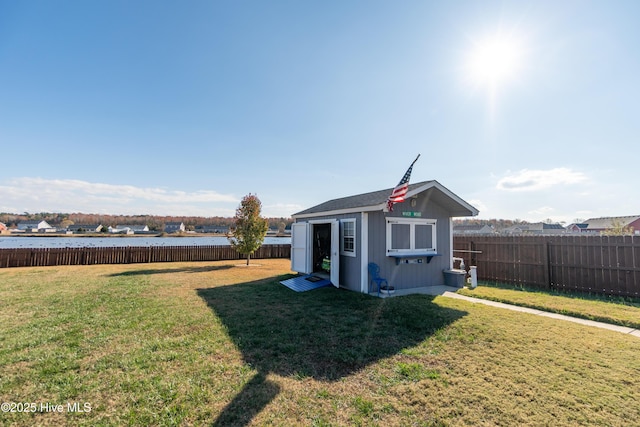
215	343
617	311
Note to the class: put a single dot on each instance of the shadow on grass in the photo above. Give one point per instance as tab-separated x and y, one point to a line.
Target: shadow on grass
325	334
148	271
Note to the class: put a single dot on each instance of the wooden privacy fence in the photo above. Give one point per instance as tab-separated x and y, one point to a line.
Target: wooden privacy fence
127	255
595	264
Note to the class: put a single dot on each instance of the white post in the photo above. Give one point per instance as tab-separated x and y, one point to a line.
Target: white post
474	276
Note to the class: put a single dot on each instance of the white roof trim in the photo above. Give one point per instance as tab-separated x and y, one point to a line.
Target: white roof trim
372	208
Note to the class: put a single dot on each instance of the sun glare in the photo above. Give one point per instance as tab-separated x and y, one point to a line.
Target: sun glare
492	65
494	61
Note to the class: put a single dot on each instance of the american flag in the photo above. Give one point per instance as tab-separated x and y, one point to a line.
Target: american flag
398	193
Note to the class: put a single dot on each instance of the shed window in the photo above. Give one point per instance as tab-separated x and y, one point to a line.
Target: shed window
348	237
400	236
411	236
424	236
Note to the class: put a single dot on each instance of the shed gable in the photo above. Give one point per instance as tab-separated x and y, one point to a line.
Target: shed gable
376	201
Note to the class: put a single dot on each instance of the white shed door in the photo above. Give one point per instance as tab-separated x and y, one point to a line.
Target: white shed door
300	250
335	253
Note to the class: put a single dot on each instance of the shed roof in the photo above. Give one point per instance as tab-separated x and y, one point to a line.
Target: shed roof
377	200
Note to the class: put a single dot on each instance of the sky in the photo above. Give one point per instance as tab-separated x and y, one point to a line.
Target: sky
526	109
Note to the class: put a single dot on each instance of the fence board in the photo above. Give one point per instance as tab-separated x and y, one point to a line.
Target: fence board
594	264
22	257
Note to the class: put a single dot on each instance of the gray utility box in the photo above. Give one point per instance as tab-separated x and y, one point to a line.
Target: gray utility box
454	278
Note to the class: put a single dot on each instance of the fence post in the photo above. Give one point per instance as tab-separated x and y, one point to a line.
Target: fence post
473	255
546	264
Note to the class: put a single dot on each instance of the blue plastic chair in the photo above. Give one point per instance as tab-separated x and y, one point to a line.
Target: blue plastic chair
374	272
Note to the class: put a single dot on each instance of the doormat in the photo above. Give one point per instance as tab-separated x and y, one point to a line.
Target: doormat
305	283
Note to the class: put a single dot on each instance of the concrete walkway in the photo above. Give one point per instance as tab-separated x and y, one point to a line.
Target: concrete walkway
621	329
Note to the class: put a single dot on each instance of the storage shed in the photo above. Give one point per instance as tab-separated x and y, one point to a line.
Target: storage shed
412	245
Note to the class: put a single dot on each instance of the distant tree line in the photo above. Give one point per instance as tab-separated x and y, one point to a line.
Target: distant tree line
157	222
154	222
498	224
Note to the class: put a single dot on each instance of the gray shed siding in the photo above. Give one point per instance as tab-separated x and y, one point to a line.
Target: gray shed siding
349	266
406	276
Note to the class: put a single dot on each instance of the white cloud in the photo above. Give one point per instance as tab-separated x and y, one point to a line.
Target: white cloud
65	187
280	209
535	180
542	211
478	204
69	195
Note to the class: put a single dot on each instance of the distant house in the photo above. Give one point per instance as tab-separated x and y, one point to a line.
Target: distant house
85	228
3	227
174	227
473	229
536	228
218	229
598	225
129	229
576	228
119	229
34	226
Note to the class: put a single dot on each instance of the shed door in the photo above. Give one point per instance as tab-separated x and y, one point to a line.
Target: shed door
335	253
300	248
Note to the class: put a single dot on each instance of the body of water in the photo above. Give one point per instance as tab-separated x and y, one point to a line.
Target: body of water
9	242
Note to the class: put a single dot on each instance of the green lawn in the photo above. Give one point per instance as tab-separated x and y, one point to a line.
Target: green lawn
617	311
215	343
